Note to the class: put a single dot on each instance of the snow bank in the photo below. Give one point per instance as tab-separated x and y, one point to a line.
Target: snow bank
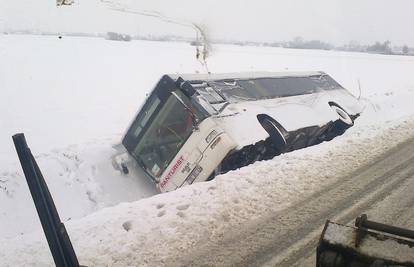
73	98
82	96
154	231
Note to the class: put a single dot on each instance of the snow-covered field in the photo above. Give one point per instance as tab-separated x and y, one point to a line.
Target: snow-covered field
74	97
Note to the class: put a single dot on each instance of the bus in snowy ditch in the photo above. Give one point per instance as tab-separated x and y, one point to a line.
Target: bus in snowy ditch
193	127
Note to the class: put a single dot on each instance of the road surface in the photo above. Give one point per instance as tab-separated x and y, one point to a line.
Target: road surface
383	189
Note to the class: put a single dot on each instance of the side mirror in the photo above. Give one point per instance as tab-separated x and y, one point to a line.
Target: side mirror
179	81
185	87
188	89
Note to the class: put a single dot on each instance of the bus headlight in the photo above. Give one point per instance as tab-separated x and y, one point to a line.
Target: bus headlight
193	175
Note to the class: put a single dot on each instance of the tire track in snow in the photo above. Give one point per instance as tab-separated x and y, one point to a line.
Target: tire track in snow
283	237
396	208
307	246
368	187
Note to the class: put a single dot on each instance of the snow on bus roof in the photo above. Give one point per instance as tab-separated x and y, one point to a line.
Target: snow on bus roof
243	75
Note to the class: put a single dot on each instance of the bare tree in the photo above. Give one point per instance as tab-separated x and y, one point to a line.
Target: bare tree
202	51
405	49
383	48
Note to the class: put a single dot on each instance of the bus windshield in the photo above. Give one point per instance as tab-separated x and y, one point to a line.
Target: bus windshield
160	130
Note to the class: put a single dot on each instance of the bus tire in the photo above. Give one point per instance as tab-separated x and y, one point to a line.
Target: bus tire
276	134
344	120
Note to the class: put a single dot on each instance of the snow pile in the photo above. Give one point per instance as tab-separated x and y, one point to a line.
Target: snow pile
72	179
154	231
86	103
73	99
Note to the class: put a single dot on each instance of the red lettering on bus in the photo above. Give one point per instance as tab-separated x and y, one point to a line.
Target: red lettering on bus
172	171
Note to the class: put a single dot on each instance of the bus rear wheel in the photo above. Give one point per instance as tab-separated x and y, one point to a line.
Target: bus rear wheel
344	120
276	134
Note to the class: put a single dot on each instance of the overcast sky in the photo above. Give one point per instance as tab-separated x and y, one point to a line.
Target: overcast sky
335	21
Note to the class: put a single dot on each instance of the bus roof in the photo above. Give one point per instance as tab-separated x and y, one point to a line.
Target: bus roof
243	75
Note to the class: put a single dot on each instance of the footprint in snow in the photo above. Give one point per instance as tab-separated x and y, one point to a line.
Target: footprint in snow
183	207
161	213
127	225
160	206
181	214
249	181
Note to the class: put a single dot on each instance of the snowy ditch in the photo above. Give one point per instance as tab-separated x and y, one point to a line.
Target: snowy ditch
153	231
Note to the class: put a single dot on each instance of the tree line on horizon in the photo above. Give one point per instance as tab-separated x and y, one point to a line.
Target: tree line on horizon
378	47
297	43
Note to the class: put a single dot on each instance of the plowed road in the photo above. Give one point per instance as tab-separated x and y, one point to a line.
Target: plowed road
383	189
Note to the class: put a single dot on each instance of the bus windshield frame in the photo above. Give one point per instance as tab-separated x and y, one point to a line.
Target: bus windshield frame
162	127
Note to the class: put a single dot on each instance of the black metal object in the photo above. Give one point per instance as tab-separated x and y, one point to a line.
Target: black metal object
363	222
344	246
55	231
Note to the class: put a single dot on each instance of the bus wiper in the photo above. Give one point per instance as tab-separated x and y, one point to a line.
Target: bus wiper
194	118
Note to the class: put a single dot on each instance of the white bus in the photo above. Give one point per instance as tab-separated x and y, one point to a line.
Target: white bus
192	127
